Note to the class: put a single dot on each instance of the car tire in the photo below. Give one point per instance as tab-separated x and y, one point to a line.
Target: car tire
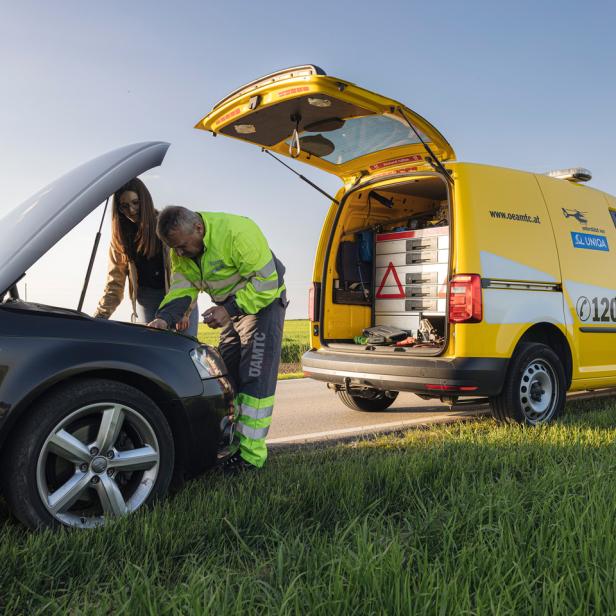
379	402
49	481
535	388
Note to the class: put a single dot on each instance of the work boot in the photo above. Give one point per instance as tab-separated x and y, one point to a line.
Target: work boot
234	464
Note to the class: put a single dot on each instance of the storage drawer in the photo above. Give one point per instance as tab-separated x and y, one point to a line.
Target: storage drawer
413	240
408	322
412	291
421	278
421	305
421	290
411	274
396	306
415	257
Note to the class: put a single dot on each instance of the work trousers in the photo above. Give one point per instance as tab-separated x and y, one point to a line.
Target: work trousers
250	345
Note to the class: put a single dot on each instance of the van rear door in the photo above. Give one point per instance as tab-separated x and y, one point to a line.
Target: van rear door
326	122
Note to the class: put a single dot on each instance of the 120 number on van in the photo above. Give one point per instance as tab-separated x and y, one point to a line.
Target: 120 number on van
597	309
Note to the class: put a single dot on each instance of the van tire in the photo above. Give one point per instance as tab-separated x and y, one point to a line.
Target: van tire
535	387
379	403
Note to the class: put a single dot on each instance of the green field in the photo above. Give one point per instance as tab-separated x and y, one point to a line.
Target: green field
295	340
464	519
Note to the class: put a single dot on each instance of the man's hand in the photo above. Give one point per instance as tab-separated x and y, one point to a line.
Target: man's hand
158	324
215	317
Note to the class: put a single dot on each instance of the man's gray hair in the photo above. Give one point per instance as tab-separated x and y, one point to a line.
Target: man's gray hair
175	217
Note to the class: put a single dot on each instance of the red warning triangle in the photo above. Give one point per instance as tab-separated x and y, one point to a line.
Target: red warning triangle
400	294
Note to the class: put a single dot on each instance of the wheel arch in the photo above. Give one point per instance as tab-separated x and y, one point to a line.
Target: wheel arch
552	336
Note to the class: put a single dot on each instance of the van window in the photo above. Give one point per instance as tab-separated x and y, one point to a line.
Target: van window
360	136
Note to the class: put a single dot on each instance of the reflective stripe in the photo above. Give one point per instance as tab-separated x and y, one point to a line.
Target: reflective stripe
267	270
222	284
253	433
221	297
256	403
264	285
179	281
252	412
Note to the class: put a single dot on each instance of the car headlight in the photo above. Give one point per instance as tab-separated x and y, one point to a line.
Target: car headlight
208	362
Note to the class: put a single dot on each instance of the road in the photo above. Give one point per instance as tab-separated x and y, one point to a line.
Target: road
305	411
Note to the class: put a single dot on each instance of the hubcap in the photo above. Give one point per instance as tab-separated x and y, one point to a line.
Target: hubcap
538	392
99	465
100	461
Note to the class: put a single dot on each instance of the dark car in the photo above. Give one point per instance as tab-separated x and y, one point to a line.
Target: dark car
96	417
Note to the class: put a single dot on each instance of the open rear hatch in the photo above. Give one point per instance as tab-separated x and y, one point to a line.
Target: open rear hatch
388	252
328	123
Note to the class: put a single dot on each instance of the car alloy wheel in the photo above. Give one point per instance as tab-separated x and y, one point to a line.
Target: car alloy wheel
100	461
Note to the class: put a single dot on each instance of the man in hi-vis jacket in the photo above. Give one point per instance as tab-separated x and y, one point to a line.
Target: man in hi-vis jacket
228	257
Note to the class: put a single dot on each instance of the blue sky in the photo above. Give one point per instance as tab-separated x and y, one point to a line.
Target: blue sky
529	85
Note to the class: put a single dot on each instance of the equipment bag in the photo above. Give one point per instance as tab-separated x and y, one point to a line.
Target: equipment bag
384	334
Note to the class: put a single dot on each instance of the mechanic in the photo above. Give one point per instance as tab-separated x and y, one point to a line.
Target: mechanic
228	257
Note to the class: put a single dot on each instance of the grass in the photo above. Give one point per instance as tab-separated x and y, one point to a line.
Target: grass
295	343
466	519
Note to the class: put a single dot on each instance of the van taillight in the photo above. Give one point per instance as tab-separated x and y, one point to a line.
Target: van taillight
314	298
465	305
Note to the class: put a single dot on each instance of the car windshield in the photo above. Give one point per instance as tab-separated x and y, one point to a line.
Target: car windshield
358	137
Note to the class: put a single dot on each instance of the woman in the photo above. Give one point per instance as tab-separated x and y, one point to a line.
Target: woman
136	253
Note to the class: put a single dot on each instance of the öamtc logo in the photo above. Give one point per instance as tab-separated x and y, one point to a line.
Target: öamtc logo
589	241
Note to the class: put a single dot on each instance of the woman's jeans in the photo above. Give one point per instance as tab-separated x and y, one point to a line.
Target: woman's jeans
148	301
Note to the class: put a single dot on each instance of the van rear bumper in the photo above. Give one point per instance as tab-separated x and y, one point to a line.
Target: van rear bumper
485	375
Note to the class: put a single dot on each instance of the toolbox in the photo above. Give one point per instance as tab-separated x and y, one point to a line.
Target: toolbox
410	276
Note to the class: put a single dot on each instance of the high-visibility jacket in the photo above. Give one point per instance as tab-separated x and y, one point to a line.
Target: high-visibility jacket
237	269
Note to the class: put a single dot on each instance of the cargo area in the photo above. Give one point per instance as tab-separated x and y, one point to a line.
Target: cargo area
388	267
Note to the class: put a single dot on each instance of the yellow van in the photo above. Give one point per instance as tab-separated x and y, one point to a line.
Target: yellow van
502	282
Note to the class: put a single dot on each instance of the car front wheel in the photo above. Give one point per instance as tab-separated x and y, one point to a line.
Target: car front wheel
89	451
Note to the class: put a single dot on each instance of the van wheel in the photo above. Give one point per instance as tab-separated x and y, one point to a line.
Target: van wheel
535	388
379	402
90	450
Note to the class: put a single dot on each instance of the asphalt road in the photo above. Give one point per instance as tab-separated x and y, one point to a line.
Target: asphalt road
305	411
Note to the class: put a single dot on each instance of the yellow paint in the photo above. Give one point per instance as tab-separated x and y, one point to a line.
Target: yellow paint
534	234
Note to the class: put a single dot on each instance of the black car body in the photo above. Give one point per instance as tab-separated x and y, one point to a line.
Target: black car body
96	417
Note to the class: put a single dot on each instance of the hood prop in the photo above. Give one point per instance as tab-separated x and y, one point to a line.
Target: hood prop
97	239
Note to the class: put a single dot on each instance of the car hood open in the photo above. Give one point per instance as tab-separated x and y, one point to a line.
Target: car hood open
32	228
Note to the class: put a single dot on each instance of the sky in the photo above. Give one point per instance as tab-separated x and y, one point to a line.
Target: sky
527	85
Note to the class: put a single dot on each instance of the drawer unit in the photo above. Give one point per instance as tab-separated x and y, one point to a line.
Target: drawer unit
410	276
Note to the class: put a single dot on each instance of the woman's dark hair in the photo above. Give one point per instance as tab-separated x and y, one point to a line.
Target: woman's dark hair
129	238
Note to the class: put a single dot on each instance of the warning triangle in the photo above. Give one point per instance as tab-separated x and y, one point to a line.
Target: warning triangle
400	295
